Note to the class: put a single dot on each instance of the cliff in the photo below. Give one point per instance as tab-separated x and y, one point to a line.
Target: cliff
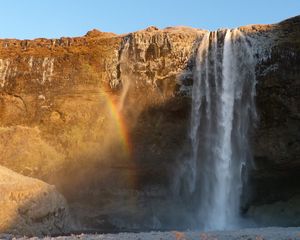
104	117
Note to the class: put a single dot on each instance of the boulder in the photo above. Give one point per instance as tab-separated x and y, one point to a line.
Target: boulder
30	206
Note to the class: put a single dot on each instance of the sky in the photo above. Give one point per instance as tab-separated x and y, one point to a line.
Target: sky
28	19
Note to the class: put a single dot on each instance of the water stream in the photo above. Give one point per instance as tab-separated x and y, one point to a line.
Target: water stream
223	113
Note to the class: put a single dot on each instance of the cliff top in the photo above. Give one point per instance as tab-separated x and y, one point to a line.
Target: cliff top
96	33
96	36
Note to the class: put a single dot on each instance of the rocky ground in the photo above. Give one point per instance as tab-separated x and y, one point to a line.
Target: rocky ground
272	233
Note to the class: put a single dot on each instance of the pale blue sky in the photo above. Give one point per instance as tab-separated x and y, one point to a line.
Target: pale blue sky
27	19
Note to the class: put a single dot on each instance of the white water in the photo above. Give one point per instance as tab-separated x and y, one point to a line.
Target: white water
223	111
125	74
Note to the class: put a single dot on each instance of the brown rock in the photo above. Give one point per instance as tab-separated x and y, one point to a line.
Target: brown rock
30	207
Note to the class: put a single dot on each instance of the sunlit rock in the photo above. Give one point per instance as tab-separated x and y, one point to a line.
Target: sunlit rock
25	151
30	206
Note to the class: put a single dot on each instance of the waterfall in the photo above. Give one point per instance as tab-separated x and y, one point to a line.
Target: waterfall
223	112
125	73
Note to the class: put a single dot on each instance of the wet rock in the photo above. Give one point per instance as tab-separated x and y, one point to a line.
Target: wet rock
280	213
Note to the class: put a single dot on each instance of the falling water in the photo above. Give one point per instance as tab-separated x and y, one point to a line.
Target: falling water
223	111
125	73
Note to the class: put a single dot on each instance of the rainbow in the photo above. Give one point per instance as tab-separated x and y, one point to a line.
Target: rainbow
120	123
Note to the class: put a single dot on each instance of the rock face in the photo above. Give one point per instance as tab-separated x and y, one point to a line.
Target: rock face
276	141
280	213
34	156
30	206
109	114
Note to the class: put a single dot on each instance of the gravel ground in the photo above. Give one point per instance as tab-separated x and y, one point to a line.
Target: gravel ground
272	233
